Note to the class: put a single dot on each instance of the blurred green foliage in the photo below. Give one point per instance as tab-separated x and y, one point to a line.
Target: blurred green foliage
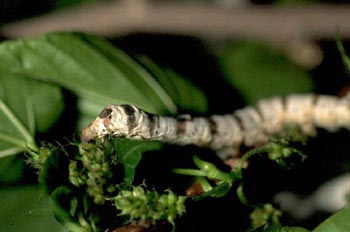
338	222
26	208
260	71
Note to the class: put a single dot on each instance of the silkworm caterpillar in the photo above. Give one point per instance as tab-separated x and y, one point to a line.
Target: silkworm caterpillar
252	125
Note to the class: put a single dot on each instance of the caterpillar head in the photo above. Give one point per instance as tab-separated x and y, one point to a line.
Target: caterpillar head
113	120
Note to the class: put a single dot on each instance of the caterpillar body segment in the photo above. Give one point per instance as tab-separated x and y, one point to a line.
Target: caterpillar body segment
300	111
252	125
273	119
326	111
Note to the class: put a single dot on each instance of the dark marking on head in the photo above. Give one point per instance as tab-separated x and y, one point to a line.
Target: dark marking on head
105	112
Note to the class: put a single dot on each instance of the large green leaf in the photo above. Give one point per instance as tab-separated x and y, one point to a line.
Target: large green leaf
22	210
91	68
16	95
339	222
27	106
140	78
185	95
37	104
14	137
259	71
130	153
11	169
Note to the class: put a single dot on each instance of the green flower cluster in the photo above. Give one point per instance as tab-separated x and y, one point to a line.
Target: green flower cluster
92	168
37	158
282	151
266	215
144	205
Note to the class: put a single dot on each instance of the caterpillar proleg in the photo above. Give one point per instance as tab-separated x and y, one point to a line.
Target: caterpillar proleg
252	125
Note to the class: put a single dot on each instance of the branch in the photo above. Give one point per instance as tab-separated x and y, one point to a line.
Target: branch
275	24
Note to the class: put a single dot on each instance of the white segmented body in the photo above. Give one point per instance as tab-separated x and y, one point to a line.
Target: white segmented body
299	111
230	132
324	113
273	119
342	113
164	129
252	125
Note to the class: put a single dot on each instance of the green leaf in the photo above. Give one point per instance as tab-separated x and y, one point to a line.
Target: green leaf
14	137
259	71
344	56
130	153
88	112
48	104
135	73
65	204
16	95
278	228
22	210
31	106
185	95
338	222
293	229
37	104
91	68
11	168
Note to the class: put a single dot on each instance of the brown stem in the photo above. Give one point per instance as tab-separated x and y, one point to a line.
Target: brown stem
276	24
